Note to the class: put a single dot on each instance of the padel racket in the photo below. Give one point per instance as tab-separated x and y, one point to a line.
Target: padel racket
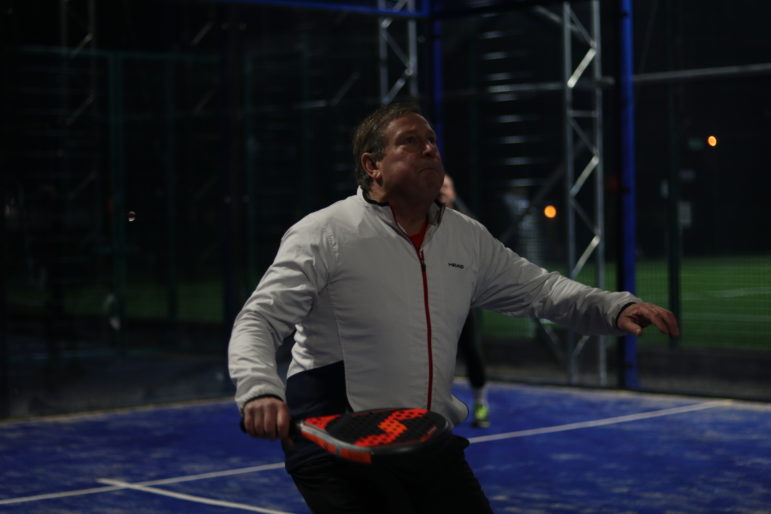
372	435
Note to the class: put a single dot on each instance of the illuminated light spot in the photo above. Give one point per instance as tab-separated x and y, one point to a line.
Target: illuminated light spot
550	211
712	141
132	216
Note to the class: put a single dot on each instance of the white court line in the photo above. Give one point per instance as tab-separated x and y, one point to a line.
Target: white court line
214	474
478	439
189	497
188	478
64	494
598	422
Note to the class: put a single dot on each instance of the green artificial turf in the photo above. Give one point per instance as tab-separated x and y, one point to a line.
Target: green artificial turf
725	301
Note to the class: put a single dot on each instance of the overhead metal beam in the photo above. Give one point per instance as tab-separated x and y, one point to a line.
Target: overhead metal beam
422	12
746	70
401	54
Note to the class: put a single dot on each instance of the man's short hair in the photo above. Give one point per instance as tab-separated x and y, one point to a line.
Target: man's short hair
369	136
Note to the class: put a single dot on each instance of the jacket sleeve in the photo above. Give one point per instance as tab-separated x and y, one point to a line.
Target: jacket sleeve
512	285
284	296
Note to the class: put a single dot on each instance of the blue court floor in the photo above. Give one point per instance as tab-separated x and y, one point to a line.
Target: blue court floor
548	449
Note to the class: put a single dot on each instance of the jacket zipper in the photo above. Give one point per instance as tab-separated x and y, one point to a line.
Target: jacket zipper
428	326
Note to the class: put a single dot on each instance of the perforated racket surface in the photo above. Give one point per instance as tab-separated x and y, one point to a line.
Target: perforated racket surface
374	434
367	435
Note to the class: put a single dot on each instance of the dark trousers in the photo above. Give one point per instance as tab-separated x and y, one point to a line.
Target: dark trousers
443	483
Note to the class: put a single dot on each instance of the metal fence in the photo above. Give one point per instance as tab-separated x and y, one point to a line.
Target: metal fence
146	192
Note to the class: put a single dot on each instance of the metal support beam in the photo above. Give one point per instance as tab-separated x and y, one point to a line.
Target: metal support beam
397	52
77	35
397	11
583	169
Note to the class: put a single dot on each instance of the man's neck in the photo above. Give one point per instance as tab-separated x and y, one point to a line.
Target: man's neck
409	214
411	221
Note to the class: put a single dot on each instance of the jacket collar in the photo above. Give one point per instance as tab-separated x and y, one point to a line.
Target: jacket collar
435	212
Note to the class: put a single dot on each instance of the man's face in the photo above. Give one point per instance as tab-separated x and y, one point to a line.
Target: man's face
411	167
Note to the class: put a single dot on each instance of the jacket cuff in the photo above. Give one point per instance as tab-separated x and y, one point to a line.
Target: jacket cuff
258	397
618	316
255	392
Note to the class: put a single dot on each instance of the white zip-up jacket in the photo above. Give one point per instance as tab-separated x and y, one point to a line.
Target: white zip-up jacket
350	282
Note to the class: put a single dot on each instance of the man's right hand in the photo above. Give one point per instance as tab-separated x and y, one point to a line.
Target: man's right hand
267	418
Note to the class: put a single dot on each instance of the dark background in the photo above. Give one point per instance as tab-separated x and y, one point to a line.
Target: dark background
154	152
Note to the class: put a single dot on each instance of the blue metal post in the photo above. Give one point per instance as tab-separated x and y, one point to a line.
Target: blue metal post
627	279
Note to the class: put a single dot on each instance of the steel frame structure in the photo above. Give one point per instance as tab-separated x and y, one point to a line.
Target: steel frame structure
81	25
582	154
581	169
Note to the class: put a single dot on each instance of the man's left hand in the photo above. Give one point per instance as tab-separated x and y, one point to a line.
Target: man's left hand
635	317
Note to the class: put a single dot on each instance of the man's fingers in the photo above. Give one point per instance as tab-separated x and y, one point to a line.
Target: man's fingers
284	424
253	422
266	418
627	325
674	326
283	421
269	422
636	317
664	320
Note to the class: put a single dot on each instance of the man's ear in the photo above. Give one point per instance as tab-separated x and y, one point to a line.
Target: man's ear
370	165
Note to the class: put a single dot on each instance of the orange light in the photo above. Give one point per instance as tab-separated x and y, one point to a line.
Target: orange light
550	211
712	141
